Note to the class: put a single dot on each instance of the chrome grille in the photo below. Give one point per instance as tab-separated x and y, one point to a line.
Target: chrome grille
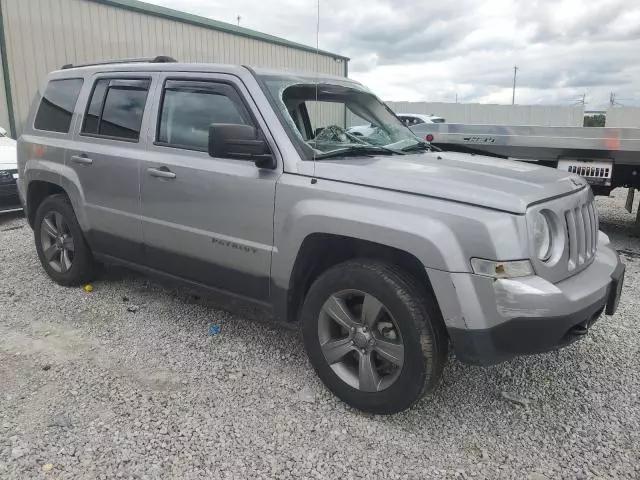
582	231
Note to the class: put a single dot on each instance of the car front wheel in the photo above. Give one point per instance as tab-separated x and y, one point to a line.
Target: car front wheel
374	336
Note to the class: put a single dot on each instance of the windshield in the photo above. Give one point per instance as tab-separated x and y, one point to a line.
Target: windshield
337	119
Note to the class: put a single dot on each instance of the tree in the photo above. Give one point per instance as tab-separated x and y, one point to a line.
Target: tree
594	120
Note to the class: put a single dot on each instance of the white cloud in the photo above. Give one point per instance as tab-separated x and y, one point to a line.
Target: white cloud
419	50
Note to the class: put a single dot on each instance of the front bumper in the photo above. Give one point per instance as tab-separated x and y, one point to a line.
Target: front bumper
490	321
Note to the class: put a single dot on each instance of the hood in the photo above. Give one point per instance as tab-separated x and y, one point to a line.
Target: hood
507	185
8	155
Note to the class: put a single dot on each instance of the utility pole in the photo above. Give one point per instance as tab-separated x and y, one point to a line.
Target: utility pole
239	18
515	74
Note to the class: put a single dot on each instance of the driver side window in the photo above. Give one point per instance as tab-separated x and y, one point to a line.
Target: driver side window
190	107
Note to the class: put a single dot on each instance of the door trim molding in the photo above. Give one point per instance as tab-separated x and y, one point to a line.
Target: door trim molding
152	272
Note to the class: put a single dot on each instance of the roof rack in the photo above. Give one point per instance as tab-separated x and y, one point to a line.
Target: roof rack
158	59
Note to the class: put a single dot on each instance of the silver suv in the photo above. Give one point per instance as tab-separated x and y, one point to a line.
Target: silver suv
246	183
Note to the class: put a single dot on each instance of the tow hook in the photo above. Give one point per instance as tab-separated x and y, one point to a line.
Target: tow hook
579	330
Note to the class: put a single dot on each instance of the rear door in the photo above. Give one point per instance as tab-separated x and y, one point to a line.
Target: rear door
209	220
106	159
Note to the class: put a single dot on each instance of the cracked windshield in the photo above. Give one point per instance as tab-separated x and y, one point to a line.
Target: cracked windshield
339	119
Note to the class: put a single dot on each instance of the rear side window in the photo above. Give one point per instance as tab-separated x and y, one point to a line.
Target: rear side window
190	107
57	105
116	108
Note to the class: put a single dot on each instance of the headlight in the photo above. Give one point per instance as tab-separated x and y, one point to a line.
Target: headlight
542	236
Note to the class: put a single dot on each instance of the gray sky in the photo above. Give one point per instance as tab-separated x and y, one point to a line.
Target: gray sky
425	50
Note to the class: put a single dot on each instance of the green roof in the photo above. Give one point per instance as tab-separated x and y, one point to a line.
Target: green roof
169	13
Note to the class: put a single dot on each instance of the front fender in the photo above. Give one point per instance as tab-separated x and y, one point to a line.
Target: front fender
419	236
443	235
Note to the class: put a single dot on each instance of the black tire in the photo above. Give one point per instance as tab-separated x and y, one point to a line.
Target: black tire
83	266
418	319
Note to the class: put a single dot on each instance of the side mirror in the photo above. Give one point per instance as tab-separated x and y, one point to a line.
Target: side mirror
242	142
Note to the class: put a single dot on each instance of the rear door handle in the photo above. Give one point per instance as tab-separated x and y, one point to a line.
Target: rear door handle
161	172
81	159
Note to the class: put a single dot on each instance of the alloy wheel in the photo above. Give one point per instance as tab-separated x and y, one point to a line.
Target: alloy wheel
57	242
360	340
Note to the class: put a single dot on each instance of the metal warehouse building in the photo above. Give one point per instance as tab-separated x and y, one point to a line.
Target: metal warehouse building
37	36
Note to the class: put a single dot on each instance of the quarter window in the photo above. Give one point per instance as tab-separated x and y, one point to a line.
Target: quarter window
116	108
57	105
190	107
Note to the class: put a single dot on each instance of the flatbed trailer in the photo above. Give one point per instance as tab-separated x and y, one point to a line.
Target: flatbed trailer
606	157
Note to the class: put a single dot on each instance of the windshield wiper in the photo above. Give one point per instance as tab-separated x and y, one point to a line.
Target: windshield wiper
422	146
359	150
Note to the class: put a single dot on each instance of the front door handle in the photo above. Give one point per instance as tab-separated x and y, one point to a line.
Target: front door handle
161	172
81	159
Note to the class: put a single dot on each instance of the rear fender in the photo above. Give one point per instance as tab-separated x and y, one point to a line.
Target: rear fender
61	175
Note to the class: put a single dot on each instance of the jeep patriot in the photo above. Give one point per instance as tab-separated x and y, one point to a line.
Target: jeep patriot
246	182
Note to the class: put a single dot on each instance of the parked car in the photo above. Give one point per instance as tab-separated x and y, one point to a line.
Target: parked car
9	200
363	130
386	254
372	132
411	119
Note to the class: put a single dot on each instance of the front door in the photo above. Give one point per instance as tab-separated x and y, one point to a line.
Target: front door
106	160
209	220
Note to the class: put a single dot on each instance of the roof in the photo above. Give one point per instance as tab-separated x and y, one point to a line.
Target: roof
171	14
241	71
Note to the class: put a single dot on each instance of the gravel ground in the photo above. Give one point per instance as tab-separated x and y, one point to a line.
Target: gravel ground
128	382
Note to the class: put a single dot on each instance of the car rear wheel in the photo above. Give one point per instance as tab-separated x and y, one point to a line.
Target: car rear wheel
374	336
61	246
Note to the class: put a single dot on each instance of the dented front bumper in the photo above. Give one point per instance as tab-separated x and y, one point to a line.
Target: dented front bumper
491	320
